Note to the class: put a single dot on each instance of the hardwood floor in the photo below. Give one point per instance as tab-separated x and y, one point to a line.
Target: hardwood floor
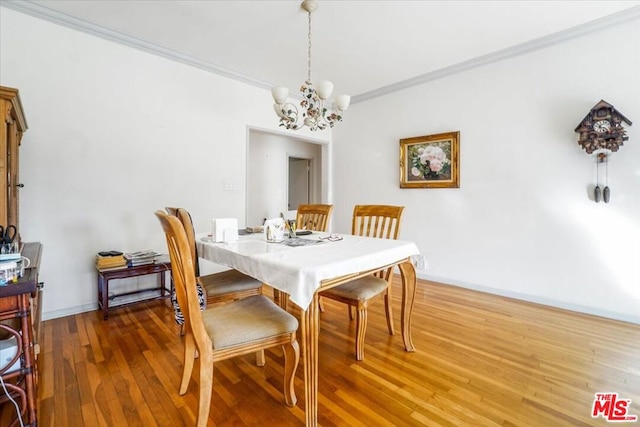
480	360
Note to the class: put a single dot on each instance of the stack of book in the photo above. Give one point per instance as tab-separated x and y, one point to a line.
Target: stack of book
110	260
145	257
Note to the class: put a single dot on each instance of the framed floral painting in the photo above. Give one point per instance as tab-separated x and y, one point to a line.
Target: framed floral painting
430	161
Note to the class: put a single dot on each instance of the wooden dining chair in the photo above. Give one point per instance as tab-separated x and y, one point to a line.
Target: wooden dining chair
220	287
313	217
226	330
316	218
381	221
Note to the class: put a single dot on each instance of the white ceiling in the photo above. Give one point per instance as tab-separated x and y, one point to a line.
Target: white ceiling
364	47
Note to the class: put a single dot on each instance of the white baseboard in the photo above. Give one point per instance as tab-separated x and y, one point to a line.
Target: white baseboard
69	311
532	298
501	292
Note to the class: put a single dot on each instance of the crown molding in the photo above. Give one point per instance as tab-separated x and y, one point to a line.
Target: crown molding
45	13
50	15
510	52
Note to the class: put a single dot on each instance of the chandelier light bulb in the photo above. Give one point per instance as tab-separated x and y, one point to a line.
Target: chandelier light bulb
342	102
279	94
324	89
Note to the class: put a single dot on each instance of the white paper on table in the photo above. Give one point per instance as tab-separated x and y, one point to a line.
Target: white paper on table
224	229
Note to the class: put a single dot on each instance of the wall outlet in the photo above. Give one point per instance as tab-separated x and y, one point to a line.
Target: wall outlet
420	262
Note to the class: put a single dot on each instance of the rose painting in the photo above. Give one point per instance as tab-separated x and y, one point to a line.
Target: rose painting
430	161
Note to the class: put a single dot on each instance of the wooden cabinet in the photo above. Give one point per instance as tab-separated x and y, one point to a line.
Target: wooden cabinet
12	126
20	308
19	302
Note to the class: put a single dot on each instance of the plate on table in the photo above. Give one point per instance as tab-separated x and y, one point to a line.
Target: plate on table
303	232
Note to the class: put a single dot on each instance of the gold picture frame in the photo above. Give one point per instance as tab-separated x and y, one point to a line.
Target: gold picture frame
430	161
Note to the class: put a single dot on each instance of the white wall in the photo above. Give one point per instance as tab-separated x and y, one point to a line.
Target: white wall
115	134
267	172
523	222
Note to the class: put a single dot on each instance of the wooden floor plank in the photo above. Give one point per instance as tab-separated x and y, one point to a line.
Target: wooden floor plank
480	359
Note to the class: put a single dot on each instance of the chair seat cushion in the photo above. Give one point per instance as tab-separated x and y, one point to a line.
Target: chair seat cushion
363	288
228	282
246	320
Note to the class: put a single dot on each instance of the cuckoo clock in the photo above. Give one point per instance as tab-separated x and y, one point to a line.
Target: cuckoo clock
602	129
601	132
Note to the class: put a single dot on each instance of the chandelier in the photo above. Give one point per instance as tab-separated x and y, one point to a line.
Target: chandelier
312	112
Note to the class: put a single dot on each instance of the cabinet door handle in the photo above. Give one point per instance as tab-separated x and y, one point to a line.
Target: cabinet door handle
20	185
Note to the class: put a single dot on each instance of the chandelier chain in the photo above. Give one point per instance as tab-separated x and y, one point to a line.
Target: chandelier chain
309	51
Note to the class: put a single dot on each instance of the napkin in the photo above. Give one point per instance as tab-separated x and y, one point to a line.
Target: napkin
274	229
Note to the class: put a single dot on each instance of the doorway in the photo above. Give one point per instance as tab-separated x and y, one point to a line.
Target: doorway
299	182
268	174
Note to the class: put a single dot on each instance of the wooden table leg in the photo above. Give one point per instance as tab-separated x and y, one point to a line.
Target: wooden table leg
103	291
408	274
310	331
162	289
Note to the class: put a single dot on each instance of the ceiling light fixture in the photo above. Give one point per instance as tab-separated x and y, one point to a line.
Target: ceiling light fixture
314	114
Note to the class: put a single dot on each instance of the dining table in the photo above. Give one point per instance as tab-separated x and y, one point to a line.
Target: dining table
299	268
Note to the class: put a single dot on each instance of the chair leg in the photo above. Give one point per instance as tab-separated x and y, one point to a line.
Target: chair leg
260	361
206	386
387	308
189	359
361	329
291	359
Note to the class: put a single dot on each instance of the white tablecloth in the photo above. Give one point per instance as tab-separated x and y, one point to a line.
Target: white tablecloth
298	271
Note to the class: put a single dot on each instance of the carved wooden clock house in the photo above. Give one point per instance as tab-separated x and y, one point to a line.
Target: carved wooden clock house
601	132
602	129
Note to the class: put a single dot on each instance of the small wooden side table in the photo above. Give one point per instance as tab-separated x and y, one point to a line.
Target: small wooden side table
106	275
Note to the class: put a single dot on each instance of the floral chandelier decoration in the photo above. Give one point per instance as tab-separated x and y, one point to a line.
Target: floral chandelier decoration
312	112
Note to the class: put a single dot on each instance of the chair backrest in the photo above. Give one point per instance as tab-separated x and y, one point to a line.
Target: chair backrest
377	221
313	217
184	277
382	221
185	218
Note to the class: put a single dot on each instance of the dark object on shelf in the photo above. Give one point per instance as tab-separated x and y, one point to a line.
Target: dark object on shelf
110	253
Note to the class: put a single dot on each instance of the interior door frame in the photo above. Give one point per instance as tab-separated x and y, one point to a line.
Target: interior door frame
324	164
